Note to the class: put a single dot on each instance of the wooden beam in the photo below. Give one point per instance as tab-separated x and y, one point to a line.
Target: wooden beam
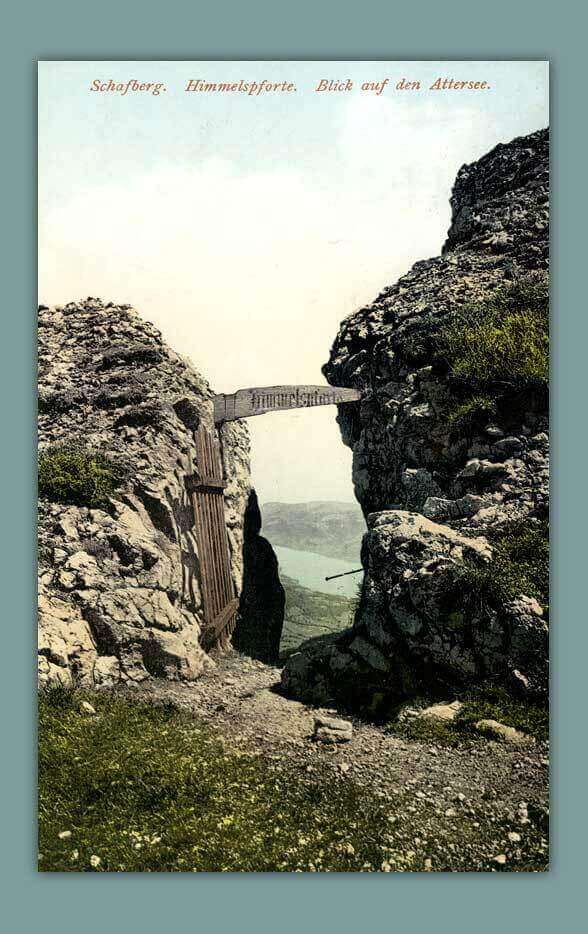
257	401
197	484
214	629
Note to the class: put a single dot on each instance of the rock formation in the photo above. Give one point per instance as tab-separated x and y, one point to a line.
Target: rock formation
450	468
119	589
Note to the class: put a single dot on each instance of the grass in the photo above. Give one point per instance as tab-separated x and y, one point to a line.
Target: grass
491	703
147	789
76	476
137	788
476	411
520	565
503	341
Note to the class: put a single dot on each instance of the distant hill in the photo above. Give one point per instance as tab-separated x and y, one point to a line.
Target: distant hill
327	528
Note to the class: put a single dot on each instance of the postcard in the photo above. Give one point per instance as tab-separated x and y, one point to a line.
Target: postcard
293	536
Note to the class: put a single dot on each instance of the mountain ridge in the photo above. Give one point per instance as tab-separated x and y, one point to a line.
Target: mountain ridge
326	527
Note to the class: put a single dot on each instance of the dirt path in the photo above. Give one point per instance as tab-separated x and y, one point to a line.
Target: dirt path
239	697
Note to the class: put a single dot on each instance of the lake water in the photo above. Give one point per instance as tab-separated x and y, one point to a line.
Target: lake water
310	570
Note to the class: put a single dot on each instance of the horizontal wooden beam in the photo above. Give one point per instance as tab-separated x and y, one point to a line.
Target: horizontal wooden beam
257	401
196	484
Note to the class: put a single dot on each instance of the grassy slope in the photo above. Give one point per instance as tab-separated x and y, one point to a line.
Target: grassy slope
138	788
146	789
310	613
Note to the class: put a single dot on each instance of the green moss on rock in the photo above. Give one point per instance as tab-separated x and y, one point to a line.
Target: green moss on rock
76	476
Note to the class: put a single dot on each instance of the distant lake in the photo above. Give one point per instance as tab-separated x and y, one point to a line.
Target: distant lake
310	570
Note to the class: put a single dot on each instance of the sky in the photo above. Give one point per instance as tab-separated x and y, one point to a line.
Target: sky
246	227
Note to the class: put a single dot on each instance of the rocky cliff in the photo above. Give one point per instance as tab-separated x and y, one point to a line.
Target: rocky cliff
119	587
450	455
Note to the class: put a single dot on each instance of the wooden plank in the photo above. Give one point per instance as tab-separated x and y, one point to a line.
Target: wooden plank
218	592
257	401
218	508
210	466
223	618
195	484
202	551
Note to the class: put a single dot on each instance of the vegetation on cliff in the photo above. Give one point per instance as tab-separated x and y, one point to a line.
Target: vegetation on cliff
520	565
503	341
74	475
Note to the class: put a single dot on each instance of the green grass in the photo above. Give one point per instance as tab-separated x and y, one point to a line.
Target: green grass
520	565
138	788
497	704
74	475
147	789
476	411
490	703
503	341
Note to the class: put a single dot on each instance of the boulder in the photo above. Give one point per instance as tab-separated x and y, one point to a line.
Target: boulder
507	734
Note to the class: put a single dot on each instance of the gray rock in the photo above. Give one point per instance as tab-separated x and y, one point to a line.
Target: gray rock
331	730
119	590
507	734
431	489
445	712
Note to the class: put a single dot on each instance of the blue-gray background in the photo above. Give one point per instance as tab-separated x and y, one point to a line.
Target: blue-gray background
304	30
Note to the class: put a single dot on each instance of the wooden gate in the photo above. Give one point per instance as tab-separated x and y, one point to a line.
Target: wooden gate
206	487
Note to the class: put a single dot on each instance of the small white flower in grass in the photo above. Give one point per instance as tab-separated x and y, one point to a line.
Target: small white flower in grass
75	854
64	834
95	861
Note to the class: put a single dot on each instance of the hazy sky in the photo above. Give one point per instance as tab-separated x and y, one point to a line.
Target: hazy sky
247	227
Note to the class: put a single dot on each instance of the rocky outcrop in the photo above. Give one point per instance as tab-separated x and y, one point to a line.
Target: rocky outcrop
441	493
119	588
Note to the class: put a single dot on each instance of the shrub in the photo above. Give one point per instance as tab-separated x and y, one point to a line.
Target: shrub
77	476
495	703
490	702
502	341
